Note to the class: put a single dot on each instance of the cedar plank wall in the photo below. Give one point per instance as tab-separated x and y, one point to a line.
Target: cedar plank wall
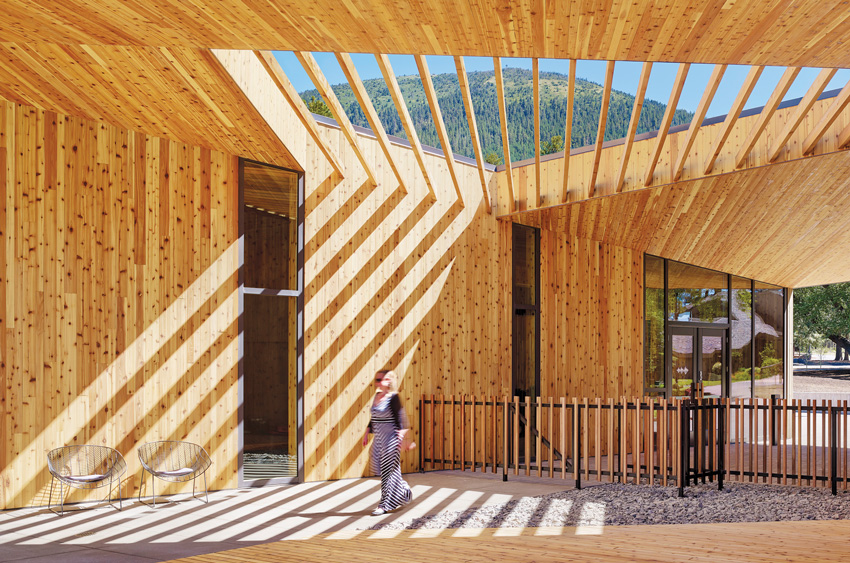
591	333
396	280
118	281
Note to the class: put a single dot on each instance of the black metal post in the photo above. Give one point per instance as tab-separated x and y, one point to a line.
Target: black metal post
577	455
507	442
721	441
774	436
833	447
684	453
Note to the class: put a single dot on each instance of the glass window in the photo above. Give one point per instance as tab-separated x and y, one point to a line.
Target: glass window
696	294
653	327
270	226
769	312
741	337
526	312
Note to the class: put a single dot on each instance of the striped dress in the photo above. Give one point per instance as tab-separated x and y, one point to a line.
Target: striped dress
386	458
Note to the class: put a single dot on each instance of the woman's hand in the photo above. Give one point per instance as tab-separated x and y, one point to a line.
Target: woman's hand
366	439
401	435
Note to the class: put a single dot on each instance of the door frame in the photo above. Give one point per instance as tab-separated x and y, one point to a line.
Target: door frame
697	330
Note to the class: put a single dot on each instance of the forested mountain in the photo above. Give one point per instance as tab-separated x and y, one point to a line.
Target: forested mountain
518	97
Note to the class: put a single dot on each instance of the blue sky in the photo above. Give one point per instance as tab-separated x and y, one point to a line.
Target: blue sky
626	75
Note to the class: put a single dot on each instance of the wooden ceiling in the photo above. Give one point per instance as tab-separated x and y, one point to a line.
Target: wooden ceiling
784	224
763	32
178	93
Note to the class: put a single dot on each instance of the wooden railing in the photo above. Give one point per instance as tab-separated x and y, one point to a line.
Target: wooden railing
656	441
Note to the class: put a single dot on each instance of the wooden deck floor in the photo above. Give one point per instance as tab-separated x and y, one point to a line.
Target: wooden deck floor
822	541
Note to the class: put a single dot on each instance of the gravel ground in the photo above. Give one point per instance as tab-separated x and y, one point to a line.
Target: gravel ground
616	504
821	382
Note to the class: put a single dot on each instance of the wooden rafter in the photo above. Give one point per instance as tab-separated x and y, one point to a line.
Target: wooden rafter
535	72
362	96
463	80
844	137
699	116
568	131
733	115
664	129
766	113
503	117
817	88
600	130
633	123
404	115
442	134
304	116
828	118
320	82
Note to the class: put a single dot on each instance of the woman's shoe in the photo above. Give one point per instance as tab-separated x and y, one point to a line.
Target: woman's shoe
379	512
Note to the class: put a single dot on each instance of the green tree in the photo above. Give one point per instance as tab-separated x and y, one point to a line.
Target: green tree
493	158
553	145
318	106
823	311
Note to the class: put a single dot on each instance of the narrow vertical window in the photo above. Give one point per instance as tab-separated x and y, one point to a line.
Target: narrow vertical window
526	318
269	322
653	326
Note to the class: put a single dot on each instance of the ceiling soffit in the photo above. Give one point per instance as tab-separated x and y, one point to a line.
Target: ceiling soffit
763	32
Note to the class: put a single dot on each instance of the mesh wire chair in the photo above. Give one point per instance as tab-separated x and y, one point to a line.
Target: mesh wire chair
84	467
174	461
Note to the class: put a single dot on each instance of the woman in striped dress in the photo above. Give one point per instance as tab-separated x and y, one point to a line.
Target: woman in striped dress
389	426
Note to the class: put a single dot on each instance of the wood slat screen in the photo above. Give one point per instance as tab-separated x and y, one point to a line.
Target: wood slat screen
642	440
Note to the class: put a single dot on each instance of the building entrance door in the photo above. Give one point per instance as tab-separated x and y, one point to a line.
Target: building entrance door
697	362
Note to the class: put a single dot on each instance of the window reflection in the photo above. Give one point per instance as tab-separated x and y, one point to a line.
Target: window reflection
696	294
770	319
654	324
741	337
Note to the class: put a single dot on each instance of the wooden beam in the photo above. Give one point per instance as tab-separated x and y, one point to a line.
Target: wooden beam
304	116
442	134
699	116
568	130
766	113
633	123
535	72
503	117
733	115
465	92
600	130
320	82
828	118
803	108
664	129
404	115
362	96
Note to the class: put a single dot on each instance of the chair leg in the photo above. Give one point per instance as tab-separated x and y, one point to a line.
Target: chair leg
206	489
50	498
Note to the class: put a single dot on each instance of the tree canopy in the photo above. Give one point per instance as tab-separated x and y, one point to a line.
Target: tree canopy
822	312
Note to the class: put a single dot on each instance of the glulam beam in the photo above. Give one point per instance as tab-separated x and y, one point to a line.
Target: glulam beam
466	94
699	116
568	131
437	115
600	130
664	128
503	118
732	117
362	97
404	115
320	82
633	123
827	120
299	107
817	88
767	112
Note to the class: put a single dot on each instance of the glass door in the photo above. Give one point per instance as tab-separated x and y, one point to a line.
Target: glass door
698	362
683	361
712	363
